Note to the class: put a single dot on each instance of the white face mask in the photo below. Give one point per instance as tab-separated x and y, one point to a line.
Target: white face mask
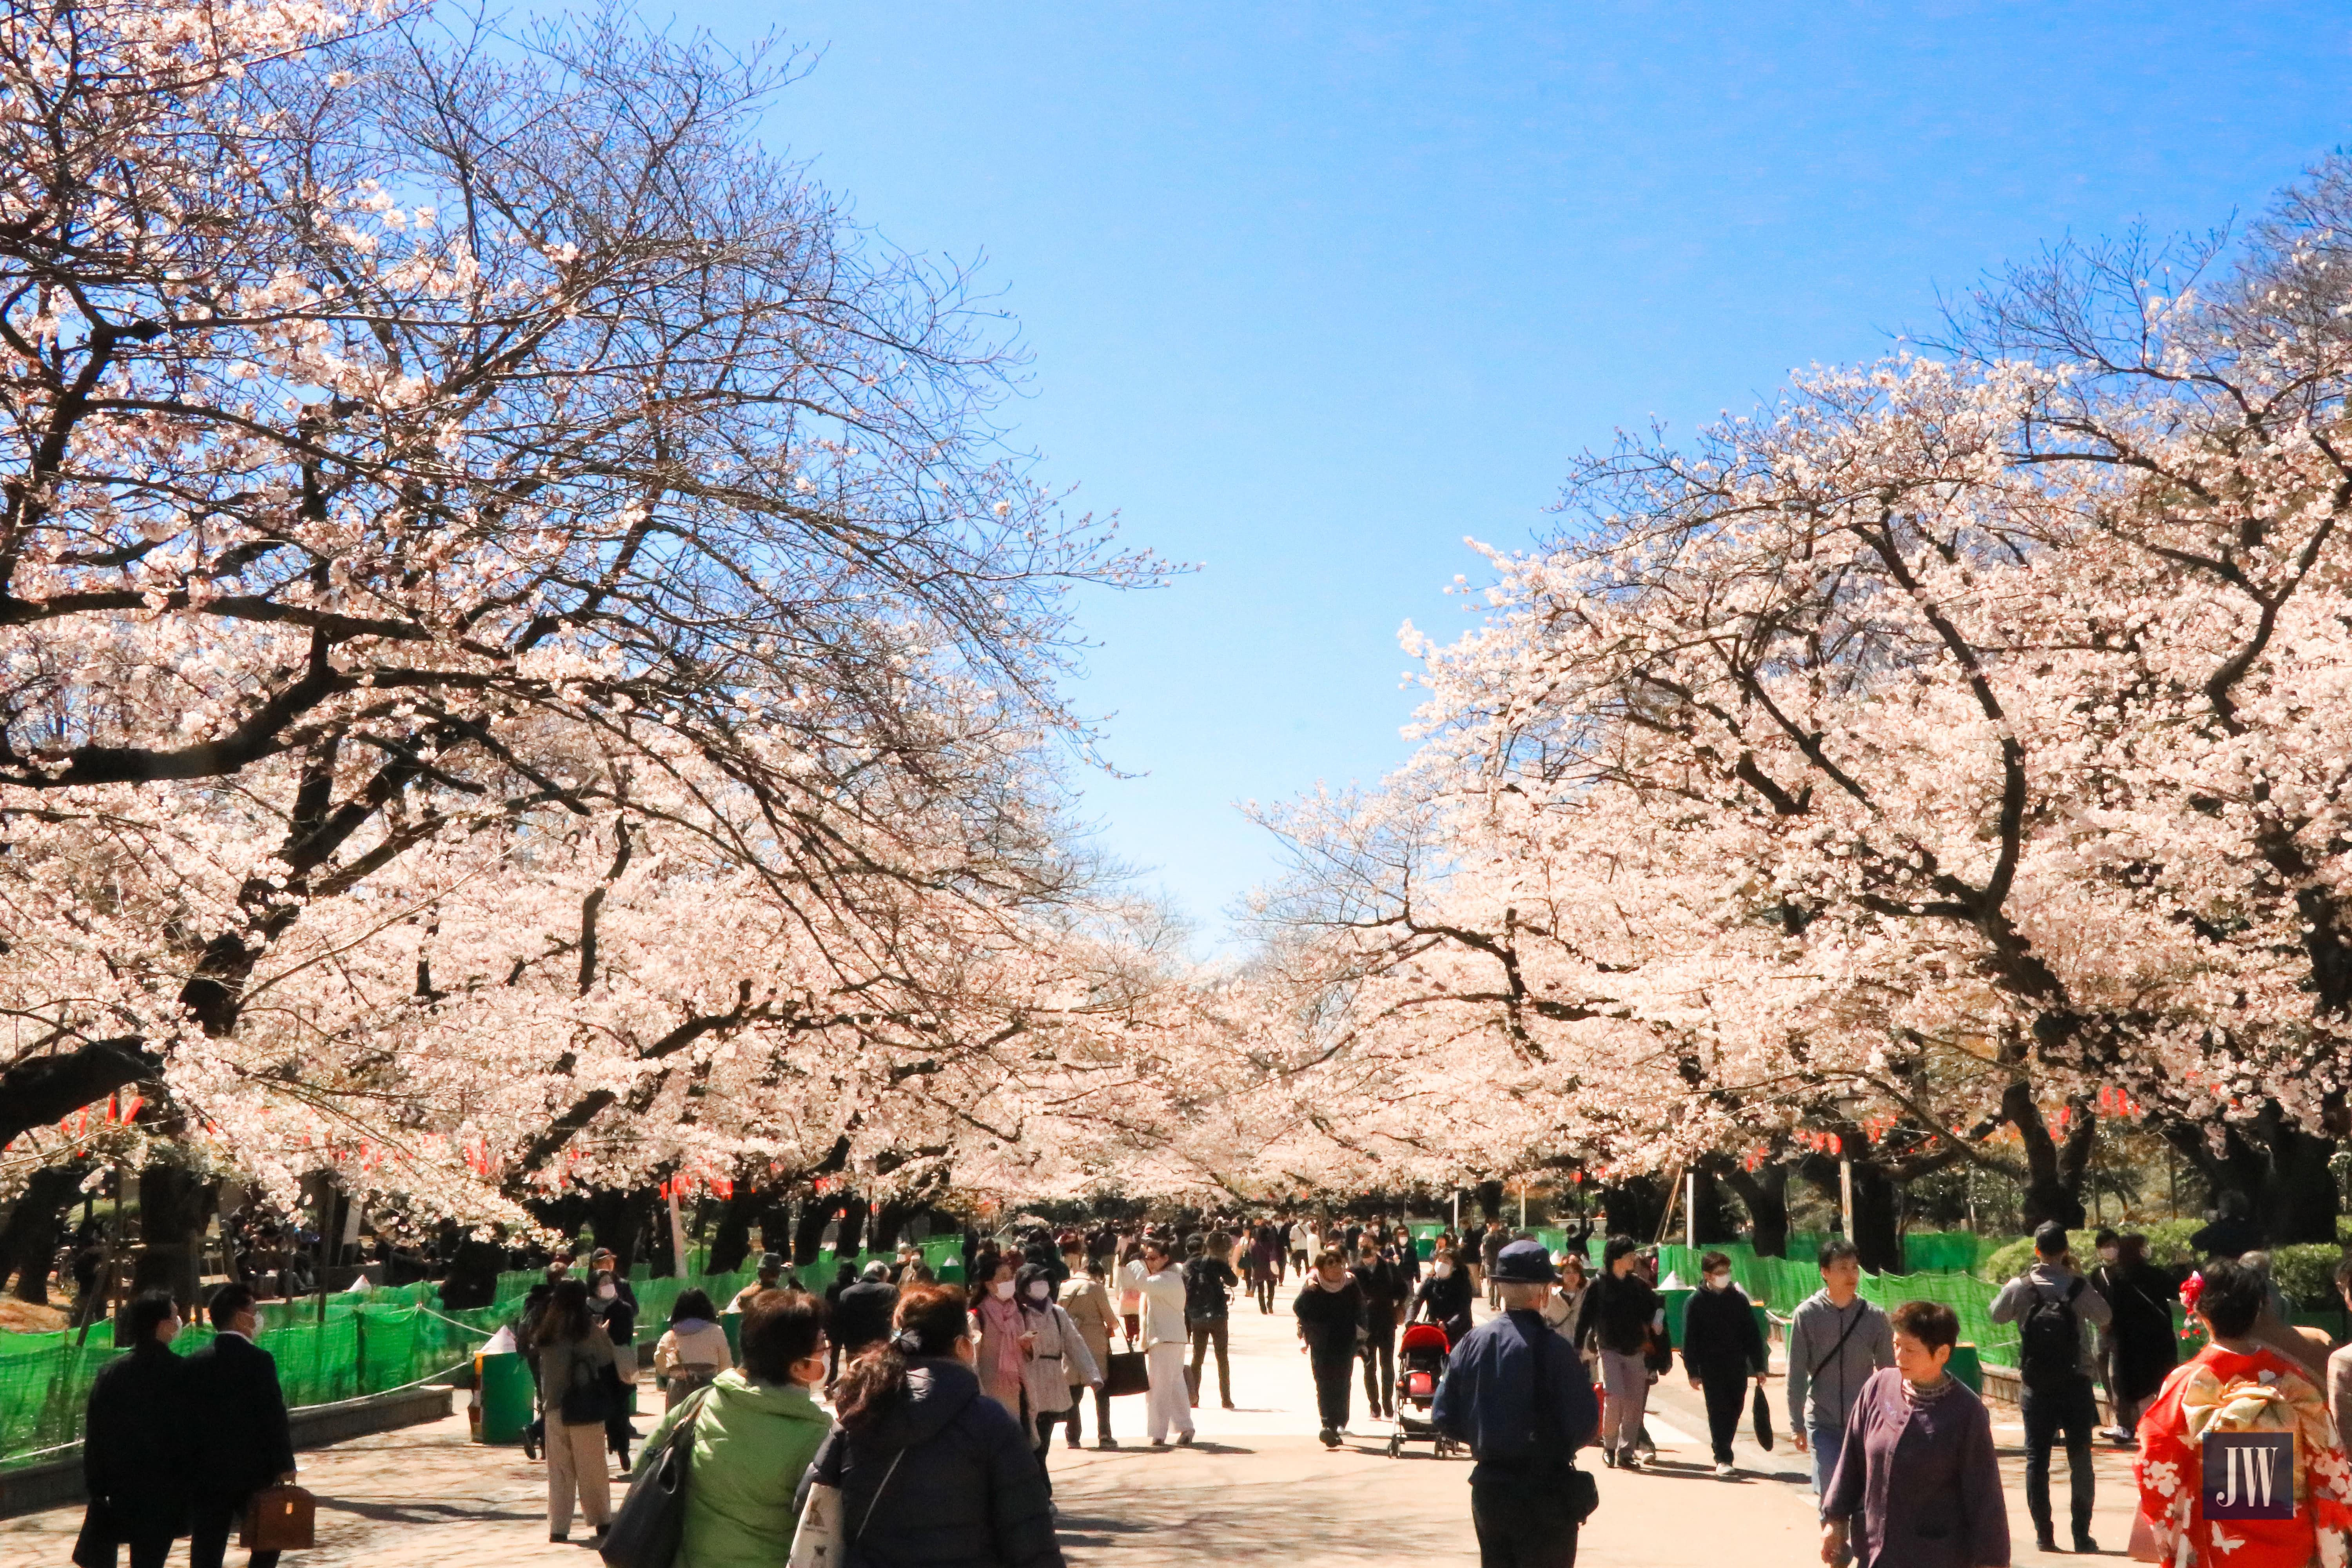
2109	1254
1004	1290
1718	1281
1038	1290
1444	1269
606	1291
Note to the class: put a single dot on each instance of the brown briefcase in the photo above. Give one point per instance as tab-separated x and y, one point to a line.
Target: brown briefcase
280	1518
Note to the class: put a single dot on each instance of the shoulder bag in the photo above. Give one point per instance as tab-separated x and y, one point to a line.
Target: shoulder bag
1583	1493
651	1521
821	1541
1127	1373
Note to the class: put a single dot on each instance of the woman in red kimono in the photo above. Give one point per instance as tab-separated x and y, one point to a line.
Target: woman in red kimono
2239	1385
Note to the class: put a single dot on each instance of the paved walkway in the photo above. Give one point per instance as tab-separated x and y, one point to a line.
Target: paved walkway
1257	1488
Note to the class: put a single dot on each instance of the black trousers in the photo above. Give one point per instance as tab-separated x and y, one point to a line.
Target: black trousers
1046	1421
1727	1402
1380	1368
215	1520
148	1551
1523	1521
1102	1413
1333	1374
1206	1332
2048	1414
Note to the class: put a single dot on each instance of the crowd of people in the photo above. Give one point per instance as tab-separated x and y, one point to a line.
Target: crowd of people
930	1410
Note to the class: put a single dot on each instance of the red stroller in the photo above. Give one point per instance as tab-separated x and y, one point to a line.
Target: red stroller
1421	1362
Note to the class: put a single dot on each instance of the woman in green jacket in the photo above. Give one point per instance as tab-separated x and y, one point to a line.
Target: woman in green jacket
755	1430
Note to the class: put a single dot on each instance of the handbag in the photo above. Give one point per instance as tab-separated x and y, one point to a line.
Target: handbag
584	1401
820	1541
94	1547
280	1518
1127	1373
1763	1418
651	1521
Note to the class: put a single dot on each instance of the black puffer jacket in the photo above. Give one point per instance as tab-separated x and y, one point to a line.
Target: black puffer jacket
967	1491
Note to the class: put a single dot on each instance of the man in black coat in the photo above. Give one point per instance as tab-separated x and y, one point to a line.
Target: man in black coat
238	1405
135	1451
861	1318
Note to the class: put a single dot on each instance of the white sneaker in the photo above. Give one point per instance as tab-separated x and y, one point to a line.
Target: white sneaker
1726	1471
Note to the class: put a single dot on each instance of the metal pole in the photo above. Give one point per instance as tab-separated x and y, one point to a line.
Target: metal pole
1457	1211
1523	1203
1690	1210
1845	1192
677	1235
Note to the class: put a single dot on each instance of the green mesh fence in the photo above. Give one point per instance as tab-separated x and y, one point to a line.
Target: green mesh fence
1780	1283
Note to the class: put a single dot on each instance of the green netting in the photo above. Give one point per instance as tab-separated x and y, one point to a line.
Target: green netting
1780	1283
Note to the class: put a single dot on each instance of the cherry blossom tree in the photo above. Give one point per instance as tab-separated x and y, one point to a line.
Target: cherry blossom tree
526	656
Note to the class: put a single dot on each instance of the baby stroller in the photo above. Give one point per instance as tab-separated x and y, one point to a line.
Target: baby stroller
1421	1362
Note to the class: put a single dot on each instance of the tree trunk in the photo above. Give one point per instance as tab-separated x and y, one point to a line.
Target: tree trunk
2053	1170
29	1246
617	1216
1635	1206
1490	1201
172	1201
1876	1235
852	1239
2279	1168
889	1218
1765	1194
732	1242
815	1215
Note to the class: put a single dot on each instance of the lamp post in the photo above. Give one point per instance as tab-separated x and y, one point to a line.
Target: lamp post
1847	1104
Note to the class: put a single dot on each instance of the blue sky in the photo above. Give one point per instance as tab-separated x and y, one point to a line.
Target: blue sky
1314	291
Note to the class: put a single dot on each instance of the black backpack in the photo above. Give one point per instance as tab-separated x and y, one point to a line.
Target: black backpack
2049	1342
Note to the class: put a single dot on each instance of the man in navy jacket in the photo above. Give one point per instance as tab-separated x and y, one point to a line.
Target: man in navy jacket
1519	1395
234	1396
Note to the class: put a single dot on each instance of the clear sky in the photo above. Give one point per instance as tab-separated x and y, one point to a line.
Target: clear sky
1315	290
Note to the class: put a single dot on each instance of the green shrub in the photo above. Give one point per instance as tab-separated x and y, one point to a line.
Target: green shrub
2306	1272
2167	1247
2008	1260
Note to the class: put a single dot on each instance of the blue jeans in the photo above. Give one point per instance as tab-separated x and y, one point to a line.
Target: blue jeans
1826	1443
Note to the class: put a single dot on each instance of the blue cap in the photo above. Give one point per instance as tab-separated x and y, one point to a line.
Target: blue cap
1524	1263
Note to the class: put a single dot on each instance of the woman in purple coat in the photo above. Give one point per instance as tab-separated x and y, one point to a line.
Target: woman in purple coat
1917	1463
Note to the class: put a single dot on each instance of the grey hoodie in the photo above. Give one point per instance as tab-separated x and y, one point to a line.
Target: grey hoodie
1834	1375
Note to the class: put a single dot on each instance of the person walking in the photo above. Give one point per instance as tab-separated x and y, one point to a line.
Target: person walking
692	1351
768	1276
1059	1364
1088	1304
756	1429
1917	1463
247	1444
1723	1352
1330	1313
1384	1307
1159	1292
1209	1285
2050	1304
861	1318
1837	1340
575	1386
932	1473
1520	1400
614	1306
1618	1318
1408	1256
1131	1295
1490	1249
137	1450
2143	1349
1444	1297
1003	1335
